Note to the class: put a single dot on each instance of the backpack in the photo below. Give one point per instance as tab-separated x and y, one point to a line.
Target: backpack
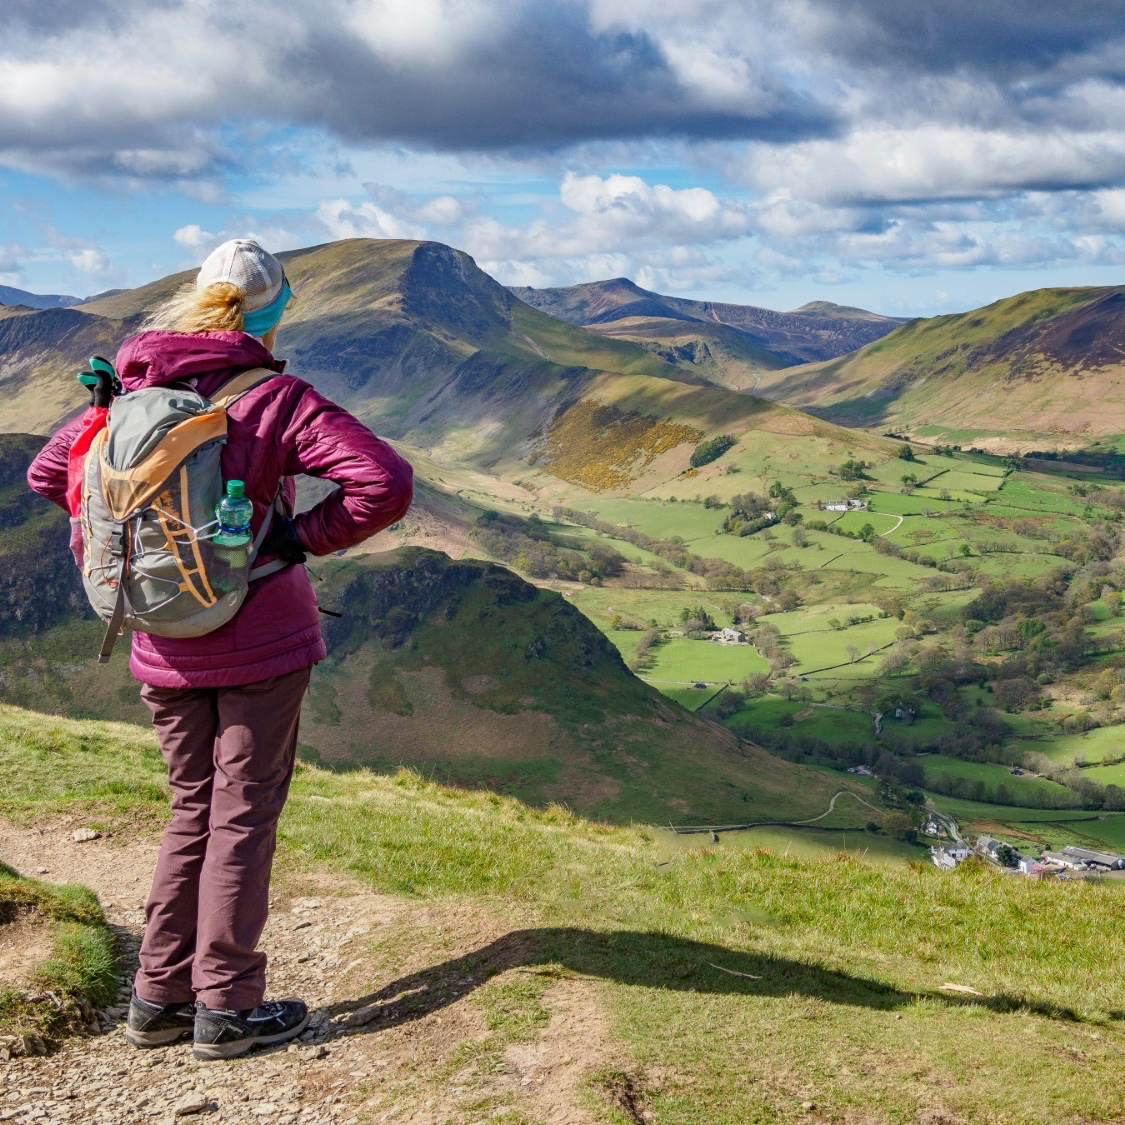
150	482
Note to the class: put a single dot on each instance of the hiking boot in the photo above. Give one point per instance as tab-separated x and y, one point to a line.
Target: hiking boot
157	1025
221	1034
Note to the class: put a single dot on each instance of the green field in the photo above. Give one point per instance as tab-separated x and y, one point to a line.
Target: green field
803	842
992	774
680	660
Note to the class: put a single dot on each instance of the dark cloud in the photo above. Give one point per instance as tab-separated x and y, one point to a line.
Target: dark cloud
1002	38
544	80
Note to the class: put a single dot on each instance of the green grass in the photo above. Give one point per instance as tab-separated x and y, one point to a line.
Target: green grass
81	966
992	775
681	659
811	959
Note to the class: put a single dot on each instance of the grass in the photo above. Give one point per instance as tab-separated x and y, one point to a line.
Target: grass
680	659
993	775
80	968
833	968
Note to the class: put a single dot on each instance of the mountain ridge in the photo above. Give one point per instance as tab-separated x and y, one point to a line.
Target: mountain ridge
817	330
1046	366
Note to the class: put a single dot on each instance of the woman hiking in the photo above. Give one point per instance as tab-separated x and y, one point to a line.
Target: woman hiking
226	705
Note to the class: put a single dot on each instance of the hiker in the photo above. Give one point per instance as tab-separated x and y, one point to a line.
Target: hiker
226	704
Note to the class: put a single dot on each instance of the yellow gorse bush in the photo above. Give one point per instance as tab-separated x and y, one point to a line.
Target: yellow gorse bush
602	447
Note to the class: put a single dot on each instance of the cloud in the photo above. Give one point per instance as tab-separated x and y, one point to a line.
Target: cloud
936	162
12	255
91	261
145	90
194	237
341	219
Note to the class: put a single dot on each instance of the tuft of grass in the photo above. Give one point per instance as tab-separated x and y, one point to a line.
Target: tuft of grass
80	970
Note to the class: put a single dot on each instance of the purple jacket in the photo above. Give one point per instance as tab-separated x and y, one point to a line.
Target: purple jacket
279	429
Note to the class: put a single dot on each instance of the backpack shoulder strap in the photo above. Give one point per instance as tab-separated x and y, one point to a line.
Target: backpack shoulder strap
238	385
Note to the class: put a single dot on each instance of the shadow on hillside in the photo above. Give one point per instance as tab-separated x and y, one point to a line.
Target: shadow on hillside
656	960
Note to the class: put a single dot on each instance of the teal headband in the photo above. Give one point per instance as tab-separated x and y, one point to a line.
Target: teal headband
260	321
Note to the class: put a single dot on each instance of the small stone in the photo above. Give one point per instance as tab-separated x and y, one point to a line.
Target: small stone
82	835
363	1015
42	871
194	1102
310	1053
808	1106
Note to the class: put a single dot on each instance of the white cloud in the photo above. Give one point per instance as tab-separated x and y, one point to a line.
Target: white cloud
342	219
885	165
91	261
194	237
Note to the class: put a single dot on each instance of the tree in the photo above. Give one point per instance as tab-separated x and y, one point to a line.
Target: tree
906	453
1006	855
898	824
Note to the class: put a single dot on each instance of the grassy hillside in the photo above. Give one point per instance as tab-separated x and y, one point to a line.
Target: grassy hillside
718	986
1043	369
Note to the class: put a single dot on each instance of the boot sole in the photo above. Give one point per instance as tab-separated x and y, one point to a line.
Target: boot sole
238	1047
161	1038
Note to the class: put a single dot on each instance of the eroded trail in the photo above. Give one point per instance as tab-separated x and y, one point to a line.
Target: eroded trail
382	1046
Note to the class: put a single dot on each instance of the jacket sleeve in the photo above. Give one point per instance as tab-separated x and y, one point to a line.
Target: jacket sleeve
322	439
47	472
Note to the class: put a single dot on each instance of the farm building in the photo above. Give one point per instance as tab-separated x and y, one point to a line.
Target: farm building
845	505
1084	859
948	857
729	636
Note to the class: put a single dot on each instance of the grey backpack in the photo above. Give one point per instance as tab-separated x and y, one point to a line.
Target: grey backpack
150	484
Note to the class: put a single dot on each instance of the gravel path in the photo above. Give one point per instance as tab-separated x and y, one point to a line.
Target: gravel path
102	1079
360	1060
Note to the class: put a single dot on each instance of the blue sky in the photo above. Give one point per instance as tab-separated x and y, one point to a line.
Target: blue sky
906	157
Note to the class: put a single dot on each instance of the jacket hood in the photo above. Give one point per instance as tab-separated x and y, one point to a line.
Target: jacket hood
155	359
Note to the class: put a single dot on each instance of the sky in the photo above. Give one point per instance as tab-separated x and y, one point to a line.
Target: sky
911	158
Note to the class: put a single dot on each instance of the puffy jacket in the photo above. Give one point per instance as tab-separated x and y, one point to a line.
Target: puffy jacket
281	428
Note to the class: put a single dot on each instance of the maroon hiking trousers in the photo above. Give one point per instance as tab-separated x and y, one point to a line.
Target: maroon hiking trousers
230	754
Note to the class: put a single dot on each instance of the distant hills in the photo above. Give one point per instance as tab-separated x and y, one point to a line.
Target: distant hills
10	296
732	343
426	347
1047	366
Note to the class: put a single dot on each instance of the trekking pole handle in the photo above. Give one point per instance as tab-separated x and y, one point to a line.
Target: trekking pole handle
101	380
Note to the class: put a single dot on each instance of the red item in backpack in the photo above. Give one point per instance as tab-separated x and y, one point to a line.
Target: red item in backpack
93	422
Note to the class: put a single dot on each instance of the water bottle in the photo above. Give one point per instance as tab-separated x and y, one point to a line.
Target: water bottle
232	541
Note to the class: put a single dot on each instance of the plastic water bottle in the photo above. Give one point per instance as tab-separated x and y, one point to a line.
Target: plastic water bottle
232	541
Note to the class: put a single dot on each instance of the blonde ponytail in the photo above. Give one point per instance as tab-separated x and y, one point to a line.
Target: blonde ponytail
217	308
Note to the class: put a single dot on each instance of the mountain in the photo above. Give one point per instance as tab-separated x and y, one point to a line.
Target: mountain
1044	366
428	349
10	296
733	343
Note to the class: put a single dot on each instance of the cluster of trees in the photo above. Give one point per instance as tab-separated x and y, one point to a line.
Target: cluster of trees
707	451
751	513
649	640
528	545
853	469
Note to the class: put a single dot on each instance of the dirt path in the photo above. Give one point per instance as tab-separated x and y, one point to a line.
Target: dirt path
374	1052
832	806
